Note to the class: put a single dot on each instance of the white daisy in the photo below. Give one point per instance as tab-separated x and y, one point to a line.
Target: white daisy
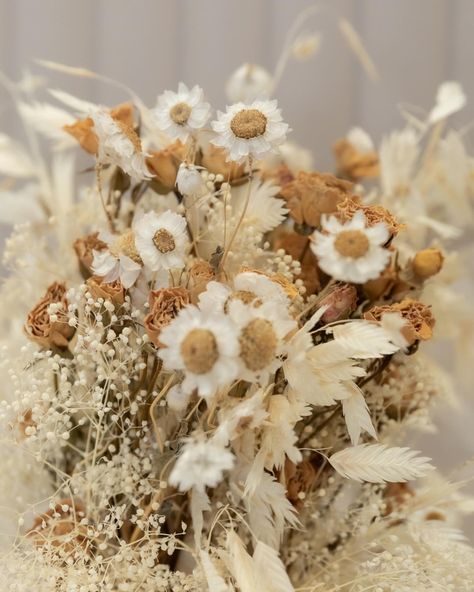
161	240
249	287
261	336
119	145
120	261
351	252
204	346
250	130
201	464
179	114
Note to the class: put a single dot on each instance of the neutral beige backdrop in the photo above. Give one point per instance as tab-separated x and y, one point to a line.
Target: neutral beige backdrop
152	44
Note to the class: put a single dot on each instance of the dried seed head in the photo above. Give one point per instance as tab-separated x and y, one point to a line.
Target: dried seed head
180	113
258	344
199	351
125	245
164	241
248	124
352	243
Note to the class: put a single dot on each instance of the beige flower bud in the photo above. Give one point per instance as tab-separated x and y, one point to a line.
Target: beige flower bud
84	248
200	274
341	302
164	164
427	263
353	163
113	291
165	305
41	329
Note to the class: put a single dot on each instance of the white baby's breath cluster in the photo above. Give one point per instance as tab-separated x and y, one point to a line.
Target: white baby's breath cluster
209	357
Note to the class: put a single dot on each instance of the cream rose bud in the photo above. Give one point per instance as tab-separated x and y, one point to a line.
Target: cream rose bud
189	180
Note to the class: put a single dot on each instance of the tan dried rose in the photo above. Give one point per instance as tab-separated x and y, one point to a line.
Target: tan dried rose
165	304
420	320
61	527
312	194
164	164
427	263
41	329
215	161
83	129
373	214
84	248
113	291
353	163
200	274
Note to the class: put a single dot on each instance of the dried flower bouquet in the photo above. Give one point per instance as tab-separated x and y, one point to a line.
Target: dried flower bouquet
212	386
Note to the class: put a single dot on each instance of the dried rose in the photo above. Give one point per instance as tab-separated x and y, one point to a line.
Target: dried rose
83	129
299	480
165	304
84	248
39	326
312	194
200	274
113	291
353	163
341	302
420	320
373	214
215	161
164	164
427	263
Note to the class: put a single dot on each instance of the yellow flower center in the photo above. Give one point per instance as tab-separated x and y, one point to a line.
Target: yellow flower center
180	113
199	351
244	296
352	243
125	245
248	123
164	241
258	344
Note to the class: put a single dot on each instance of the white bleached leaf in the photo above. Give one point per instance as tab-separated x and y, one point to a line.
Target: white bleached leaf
450	99
199	504
356	413
48	121
17	207
376	463
79	105
215	582
14	160
271	575
363	339
241	564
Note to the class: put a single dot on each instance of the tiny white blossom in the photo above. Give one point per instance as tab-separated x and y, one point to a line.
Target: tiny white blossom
450	99
189	180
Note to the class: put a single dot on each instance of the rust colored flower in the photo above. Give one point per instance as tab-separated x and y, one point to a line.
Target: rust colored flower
313	194
164	164
84	248
165	304
420	320
299	479
341	302
373	214
113	291
39	326
61	527
200	274
214	160
354	164
83	129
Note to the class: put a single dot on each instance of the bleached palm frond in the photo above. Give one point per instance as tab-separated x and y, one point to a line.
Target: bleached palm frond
241	563
215	581
376	463
271	575
356	413
14	160
78	105
363	339
49	122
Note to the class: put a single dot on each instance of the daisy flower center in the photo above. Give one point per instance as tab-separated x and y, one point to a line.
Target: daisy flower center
258	344
248	124
125	245
130	133
352	243
164	241
199	351
244	296
180	113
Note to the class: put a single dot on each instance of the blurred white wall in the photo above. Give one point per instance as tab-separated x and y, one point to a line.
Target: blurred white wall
150	45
